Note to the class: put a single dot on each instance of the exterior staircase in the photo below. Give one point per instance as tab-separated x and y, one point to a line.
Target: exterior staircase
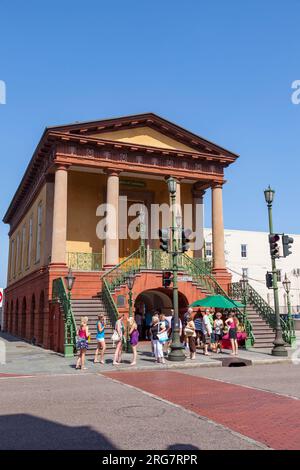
92	308
263	333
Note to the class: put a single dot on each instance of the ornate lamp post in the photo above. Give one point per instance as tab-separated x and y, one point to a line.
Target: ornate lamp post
279	348
287	287
69	332
177	353
244	285
130	282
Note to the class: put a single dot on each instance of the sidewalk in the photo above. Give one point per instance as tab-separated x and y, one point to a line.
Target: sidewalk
24	359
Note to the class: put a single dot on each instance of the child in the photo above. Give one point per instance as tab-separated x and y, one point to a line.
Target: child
100	337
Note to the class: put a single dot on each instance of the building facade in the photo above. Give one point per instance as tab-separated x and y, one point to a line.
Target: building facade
248	252
58	212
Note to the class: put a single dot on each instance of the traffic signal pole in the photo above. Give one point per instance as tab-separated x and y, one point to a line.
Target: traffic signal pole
279	348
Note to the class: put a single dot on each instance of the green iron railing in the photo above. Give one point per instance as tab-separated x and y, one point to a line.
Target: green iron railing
109	302
60	295
115	277
265	311
85	261
201	273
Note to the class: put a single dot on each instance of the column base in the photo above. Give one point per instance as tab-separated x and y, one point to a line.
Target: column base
223	277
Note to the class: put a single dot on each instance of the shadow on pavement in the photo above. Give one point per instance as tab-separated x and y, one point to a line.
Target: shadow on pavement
27	432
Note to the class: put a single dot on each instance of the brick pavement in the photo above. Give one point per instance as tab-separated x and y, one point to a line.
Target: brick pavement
271	419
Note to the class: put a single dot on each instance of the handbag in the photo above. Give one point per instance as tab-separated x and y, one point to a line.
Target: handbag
163	336
115	337
188	331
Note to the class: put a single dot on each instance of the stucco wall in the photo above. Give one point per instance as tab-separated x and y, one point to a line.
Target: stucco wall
144	136
86	191
33	264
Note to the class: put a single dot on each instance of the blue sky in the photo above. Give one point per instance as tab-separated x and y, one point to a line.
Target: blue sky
221	69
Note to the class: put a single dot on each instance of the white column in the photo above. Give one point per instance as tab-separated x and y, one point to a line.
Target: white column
59	236
112	220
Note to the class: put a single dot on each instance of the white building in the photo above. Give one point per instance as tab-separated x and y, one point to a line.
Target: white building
249	252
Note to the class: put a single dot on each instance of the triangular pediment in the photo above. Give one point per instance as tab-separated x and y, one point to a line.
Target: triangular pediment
145	129
144	136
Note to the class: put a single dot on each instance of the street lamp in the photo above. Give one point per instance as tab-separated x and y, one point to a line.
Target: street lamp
70	279
130	282
244	286
279	348
269	195
177	353
287	287
69	339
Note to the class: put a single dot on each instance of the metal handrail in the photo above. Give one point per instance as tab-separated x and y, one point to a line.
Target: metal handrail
264	310
60	295
207	281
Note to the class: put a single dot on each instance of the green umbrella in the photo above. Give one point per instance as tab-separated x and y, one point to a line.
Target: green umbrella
217	301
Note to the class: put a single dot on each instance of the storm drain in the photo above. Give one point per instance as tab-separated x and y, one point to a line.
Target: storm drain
235	362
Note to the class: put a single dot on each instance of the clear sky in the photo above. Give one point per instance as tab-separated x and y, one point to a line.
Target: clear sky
221	69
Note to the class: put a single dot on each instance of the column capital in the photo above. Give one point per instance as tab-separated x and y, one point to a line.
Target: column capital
113	172
218	184
61	166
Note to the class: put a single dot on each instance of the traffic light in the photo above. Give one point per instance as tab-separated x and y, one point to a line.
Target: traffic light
166	278
185	239
269	280
274	247
286	245
164	239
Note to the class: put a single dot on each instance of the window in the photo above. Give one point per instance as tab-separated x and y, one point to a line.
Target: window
12	255
23	247
17	266
245	272
38	234
244	251
29	243
208	249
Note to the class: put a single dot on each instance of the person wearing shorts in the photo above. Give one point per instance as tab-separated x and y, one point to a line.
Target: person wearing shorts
100	337
231	323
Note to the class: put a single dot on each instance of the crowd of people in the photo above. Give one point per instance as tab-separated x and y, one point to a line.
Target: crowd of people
201	329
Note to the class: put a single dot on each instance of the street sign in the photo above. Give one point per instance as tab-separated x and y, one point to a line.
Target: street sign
185	278
1	296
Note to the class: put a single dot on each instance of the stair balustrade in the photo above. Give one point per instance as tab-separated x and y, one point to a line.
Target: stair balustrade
264	310
60	296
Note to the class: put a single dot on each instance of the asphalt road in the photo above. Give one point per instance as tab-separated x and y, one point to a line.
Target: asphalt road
89	411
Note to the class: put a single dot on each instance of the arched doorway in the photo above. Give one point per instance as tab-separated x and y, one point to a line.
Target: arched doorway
40	333
159	299
32	314
23	319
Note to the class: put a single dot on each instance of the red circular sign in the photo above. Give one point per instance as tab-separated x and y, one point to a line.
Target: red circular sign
1	296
